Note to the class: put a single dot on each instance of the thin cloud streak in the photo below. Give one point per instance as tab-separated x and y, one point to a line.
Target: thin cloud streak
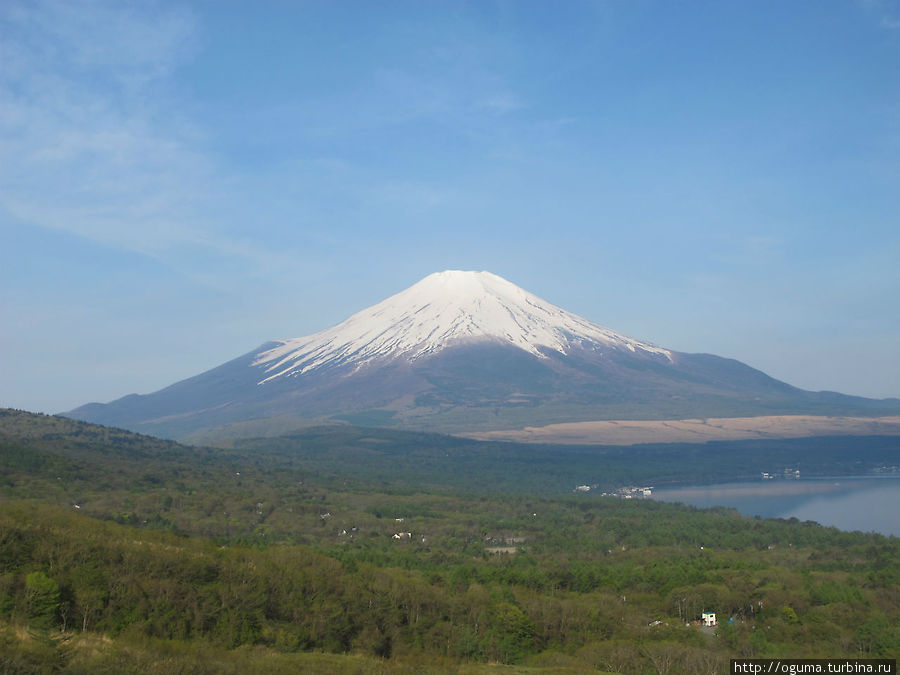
90	140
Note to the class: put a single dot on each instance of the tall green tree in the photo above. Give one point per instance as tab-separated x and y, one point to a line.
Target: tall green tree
41	599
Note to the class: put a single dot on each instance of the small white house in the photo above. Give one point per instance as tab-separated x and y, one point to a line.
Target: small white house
709	618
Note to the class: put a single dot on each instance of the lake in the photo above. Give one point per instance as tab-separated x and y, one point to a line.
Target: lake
866	503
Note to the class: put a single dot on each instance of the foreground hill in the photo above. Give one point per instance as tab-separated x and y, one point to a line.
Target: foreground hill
461	352
122	553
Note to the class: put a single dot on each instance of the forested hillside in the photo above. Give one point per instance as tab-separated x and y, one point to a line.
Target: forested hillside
121	552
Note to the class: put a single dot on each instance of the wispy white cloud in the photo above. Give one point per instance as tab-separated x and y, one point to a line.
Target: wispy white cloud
410	195
96	138
887	10
502	102
119	39
91	138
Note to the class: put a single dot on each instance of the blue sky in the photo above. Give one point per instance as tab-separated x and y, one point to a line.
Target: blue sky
180	182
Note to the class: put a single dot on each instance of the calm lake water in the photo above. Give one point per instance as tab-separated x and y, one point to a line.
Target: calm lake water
866	503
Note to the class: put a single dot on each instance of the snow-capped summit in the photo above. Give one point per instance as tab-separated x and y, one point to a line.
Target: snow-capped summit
442	309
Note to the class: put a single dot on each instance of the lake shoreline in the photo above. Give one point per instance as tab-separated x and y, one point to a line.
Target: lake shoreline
869	502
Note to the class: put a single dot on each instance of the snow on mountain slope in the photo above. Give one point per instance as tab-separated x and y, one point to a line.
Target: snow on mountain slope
441	309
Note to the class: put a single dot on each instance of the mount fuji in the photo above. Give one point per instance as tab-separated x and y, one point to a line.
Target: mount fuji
461	352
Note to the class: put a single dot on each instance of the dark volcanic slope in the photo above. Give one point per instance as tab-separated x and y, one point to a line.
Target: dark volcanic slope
476	387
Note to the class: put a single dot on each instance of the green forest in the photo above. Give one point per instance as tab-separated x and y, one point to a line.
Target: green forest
357	550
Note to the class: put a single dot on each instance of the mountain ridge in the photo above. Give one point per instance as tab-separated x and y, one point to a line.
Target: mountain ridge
462	352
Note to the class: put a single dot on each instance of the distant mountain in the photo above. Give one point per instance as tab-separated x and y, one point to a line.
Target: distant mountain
463	351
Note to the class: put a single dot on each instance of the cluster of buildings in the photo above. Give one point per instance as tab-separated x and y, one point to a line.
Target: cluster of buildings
787	474
631	492
707	620
887	469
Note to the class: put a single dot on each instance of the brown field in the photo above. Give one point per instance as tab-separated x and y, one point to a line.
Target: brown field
630	432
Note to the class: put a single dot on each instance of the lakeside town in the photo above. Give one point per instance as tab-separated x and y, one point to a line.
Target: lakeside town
646	491
630	492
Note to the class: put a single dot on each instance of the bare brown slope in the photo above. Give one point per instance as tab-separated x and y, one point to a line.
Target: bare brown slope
630	432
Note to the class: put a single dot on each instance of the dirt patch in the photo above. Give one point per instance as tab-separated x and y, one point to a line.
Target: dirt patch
630	432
